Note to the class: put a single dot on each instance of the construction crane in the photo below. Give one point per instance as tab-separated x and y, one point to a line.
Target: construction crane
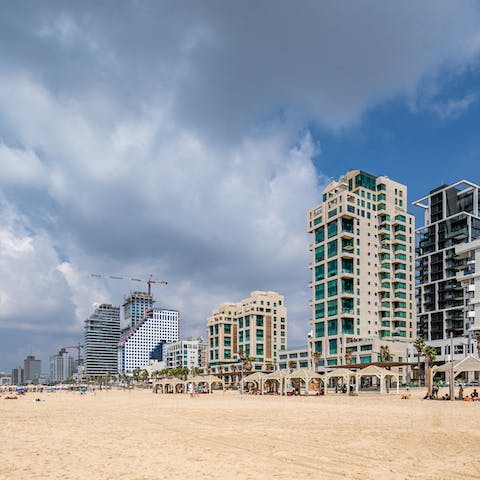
78	349
149	281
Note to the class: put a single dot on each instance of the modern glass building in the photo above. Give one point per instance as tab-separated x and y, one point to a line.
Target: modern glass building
451	218
362	267
102	334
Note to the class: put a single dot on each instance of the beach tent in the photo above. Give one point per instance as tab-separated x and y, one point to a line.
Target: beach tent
168	384
209	380
343	373
280	377
258	378
374	371
468	364
306	375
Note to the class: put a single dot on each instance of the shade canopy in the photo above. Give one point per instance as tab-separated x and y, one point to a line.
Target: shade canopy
468	364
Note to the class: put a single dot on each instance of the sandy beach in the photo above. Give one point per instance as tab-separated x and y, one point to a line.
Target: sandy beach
139	435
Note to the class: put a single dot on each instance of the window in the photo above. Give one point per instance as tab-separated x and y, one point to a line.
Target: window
320	291
332	327
259	349
319	272
332	248
332	288
332	307
320	329
319	254
319	235
332	268
259	321
332	229
332	346
319	310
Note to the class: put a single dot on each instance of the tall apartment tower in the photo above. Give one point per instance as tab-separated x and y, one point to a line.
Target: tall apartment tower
136	306
362	266
102	334
146	340
61	366
32	368
257	326
451	218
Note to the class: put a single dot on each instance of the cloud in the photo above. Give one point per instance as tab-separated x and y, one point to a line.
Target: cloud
175	140
453	108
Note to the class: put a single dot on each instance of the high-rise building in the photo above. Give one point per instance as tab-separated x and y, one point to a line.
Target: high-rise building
102	334
256	326
362	267
451	218
183	353
18	376
136	307
61	366
146	339
468	257
32	368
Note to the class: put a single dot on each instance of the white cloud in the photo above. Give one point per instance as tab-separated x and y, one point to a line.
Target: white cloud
453	108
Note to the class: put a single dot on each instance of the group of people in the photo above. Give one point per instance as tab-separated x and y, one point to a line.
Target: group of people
473	397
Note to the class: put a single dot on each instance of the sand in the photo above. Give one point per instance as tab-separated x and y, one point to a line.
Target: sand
139	435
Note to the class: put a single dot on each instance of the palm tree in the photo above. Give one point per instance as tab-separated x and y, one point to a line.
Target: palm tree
292	365
348	356
316	359
419	345
430	354
385	353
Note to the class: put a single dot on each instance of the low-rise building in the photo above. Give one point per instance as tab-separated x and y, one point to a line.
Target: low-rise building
183	353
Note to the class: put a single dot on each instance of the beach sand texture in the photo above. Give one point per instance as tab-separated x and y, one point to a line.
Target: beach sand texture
138	435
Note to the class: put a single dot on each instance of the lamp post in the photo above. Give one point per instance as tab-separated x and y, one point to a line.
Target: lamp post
309	349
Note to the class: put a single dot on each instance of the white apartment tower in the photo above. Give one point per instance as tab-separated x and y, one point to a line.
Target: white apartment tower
362	266
145	341
102	334
183	353
256	326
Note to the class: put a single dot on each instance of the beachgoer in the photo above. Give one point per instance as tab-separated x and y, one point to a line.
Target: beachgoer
474	394
460	393
190	389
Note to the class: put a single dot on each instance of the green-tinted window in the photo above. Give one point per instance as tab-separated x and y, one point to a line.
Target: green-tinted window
320	291
365	358
332	288
319	272
332	248
259	349
332	308
332	268
320	329
347	326
364	180
320	254
319	234
332	229
318	347
332	346
227	328
332	327
227	341
259	321
319	310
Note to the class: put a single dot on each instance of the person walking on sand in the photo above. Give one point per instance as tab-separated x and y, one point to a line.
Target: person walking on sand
191	391
460	393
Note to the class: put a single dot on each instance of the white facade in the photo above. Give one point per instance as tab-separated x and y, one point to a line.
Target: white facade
468	255
183	354
61	366
145	341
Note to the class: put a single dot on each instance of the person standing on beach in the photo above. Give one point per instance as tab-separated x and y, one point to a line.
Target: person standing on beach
190	390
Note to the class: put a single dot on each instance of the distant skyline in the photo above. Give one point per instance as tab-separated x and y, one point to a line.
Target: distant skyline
188	140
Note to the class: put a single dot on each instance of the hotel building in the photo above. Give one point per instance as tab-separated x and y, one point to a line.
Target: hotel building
102	334
451	220
256	326
362	267
146	340
183	353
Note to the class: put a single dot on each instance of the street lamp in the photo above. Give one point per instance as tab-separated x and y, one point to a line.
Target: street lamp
309	349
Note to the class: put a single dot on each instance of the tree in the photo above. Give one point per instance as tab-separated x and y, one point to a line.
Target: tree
385	355
292	365
316	359
136	374
348	356
430	354
419	345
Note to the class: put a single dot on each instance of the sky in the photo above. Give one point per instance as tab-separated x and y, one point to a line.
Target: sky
187	140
